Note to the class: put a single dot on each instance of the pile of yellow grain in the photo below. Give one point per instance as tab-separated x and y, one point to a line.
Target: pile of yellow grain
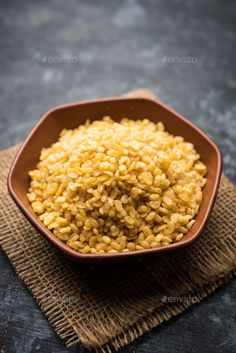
117	187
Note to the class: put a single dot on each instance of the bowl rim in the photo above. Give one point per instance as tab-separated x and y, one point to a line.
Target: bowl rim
90	257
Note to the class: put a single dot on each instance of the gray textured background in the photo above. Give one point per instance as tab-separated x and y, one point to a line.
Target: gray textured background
185	52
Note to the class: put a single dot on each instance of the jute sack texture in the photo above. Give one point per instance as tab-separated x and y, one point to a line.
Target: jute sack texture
106	306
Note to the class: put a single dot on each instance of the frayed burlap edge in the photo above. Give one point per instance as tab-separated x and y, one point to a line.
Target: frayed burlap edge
162	314
67	330
69	333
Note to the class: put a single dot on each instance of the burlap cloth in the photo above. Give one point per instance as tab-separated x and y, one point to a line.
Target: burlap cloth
107	306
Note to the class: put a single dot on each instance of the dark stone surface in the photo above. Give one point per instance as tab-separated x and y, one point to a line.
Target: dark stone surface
183	51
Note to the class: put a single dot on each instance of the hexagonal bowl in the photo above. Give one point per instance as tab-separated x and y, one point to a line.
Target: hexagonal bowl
71	116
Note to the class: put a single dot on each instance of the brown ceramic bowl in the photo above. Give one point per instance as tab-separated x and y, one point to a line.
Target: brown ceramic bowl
70	116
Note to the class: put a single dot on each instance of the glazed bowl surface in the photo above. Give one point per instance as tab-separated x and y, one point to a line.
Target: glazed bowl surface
71	116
